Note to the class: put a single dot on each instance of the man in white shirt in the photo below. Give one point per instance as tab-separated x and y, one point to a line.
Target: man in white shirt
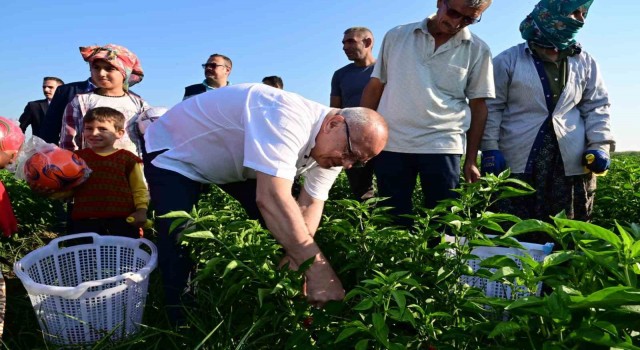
252	140
430	82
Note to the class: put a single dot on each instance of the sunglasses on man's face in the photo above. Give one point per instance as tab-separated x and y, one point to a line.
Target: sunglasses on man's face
457	15
212	65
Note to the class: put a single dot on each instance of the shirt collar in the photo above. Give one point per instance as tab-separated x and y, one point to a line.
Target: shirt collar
463	35
90	86
204	82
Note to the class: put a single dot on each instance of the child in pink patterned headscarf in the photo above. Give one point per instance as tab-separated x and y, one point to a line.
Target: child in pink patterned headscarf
125	61
114	69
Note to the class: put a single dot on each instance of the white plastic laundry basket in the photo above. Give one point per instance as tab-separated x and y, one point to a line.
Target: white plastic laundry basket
497	289
85	287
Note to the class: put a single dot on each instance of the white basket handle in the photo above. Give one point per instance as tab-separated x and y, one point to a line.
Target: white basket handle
150	265
56	241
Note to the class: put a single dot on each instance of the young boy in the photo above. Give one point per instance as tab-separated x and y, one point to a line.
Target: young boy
116	189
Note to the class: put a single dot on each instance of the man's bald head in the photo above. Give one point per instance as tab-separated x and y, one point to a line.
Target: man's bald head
369	130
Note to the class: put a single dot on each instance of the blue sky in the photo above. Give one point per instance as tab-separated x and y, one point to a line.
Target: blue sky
297	40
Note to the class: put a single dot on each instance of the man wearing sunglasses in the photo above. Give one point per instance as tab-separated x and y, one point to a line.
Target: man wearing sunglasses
216	74
430	83
252	140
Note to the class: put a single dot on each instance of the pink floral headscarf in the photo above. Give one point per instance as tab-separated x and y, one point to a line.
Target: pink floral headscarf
118	56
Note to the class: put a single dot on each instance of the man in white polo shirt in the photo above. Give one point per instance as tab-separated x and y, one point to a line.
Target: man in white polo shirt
430	83
252	140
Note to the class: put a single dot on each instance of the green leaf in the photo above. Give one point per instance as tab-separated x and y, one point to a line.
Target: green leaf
500	217
400	299
557	304
505	328
499	261
362	344
175	215
627	240
380	328
508	192
200	234
519	183
594	230
491	225
505	272
394	276
230	266
525	302
262	292
530	225
176	224
610	297
364	305
346	333
635	250
557	258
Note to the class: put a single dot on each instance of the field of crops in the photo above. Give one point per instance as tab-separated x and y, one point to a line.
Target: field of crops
403	287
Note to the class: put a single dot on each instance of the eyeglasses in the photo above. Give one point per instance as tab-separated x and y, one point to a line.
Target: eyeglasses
212	65
357	163
457	15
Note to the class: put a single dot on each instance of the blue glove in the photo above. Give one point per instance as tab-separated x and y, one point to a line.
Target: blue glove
596	161
492	162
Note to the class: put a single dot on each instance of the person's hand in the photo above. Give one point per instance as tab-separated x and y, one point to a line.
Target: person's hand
41	190
596	160
322	283
139	218
6	158
471	172
492	162
62	195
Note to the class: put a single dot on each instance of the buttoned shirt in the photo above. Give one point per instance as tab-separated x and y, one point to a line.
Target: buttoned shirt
580	118
424	100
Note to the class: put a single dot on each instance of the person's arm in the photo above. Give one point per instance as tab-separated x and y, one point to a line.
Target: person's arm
335	99
335	102
292	226
311	209
372	93
479	113
140	195
594	109
68	132
25	118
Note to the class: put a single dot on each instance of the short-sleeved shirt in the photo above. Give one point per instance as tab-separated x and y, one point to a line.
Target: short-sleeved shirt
348	83
425	96
226	135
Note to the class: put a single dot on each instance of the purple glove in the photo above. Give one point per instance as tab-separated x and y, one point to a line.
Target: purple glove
596	161
492	162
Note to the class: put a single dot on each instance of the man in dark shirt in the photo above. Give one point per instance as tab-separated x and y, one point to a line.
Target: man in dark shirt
216	74
346	89
35	110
